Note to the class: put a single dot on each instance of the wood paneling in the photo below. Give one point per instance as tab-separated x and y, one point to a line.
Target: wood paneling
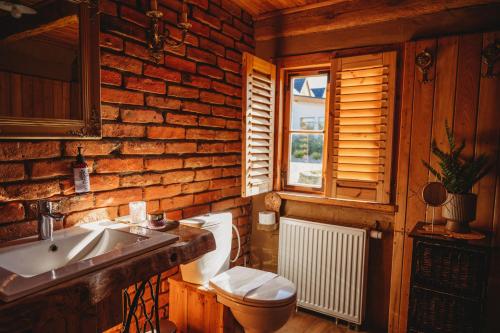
26	95
459	94
272	8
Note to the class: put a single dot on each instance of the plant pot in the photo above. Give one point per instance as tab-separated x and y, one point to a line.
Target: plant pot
459	210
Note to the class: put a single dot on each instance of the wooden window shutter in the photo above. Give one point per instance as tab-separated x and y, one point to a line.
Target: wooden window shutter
363	125
259	82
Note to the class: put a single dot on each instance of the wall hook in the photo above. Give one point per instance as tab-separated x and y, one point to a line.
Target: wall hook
490	55
424	61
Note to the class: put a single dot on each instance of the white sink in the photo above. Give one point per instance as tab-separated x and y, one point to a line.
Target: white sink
30	267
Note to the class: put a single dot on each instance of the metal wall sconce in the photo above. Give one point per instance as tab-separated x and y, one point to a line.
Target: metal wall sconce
157	39
424	61
490	55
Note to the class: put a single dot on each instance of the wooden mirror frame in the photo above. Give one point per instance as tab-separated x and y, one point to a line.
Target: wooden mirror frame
90	125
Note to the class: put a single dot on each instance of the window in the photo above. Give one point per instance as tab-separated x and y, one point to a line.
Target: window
305	137
335	129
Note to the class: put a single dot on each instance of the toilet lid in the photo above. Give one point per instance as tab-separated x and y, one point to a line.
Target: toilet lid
253	286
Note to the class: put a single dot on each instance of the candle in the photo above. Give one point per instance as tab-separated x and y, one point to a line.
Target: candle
154	5
184	17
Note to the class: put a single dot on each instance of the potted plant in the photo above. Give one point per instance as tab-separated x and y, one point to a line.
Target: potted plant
458	175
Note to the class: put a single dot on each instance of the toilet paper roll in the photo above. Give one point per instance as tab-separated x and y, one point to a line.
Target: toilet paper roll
267	217
376	234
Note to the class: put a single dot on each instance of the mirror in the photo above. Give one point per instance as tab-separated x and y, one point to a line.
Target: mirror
49	70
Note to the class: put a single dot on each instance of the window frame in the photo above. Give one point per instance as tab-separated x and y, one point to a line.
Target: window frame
285	137
326	60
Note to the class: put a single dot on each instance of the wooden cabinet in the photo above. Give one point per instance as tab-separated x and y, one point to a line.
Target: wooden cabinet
448	284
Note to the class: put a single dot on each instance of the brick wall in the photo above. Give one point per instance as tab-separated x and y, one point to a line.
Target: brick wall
171	131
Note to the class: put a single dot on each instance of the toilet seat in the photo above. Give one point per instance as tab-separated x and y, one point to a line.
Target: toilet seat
252	287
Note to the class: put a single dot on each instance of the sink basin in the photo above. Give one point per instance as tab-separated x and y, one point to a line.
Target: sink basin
35	265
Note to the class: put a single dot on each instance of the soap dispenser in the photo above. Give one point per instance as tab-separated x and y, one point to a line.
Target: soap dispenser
81	173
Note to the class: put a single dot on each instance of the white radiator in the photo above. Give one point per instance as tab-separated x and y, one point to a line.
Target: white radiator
328	264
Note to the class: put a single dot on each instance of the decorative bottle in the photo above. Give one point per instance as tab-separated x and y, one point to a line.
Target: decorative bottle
81	173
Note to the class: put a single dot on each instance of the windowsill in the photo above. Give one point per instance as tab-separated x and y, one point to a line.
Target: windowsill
320	199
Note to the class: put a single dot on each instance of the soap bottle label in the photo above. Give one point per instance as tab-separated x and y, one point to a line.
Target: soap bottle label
82	181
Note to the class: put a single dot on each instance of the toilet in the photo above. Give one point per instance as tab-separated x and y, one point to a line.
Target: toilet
260	301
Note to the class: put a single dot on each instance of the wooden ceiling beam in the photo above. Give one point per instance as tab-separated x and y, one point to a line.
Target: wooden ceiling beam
350	14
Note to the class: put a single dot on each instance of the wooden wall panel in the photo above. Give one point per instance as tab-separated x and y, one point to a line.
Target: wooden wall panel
469	101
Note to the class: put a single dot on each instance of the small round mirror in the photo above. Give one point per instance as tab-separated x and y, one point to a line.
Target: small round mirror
434	194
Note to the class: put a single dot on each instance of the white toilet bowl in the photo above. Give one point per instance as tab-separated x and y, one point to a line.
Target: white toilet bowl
260	301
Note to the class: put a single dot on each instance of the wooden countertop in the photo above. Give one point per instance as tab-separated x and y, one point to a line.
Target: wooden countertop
82	298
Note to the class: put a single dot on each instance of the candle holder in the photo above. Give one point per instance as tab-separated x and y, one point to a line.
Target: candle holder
157	40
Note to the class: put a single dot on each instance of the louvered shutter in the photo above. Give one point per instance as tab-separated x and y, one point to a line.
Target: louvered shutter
259	78
363	123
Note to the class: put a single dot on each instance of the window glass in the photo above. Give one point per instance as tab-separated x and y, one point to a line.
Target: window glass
307	118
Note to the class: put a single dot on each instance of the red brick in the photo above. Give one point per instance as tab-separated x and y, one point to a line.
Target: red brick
207	174
210	71
123	63
174	215
163	102
231	7
45	169
184	92
163	164
227	135
139	51
196	81
220	13
233	124
90	216
243	26
223	205
221	39
162	73
233	147
195	211
213	47
111	77
160	192
77	203
234	80
201	56
112	165
218	184
227	160
142	147
12	171
195	187
227	172
31	191
206	18
200	134
228	65
11	212
141	116
166	132
181	119
110	41
243	47
226	89
195	107
198	162
175	177
146	85
211	148
16	151
180	64
248	39
212	122
176	202
18	230
117	197
121	96
108	7
214	98
180	147
206	197
223	111
231	31
200	28
90	148
134	16
144	179
232	101
231	191
109	112
123	130
104	182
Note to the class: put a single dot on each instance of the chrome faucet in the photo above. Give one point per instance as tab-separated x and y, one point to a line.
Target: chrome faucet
47	215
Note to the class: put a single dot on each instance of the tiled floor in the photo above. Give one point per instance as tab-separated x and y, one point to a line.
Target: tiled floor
308	322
